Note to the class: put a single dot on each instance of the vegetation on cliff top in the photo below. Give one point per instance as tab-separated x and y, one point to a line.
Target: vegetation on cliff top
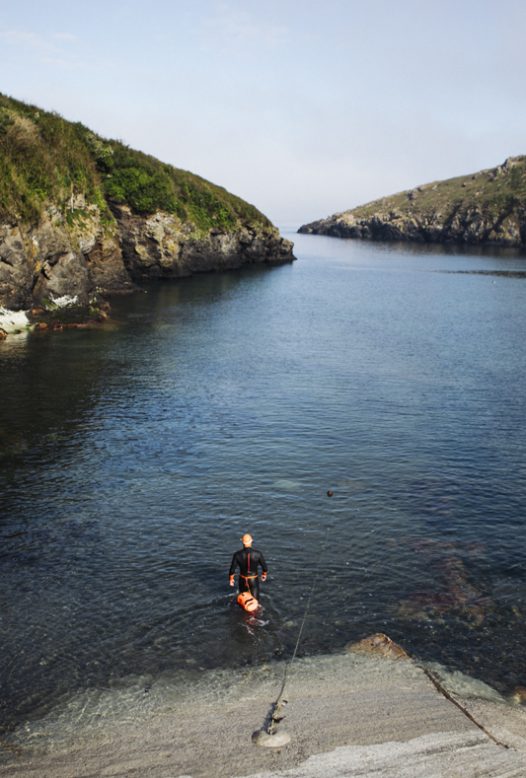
495	191
45	159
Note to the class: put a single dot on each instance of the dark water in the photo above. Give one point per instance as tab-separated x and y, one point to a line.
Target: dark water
132	460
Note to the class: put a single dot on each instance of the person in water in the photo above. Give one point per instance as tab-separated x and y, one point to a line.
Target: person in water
248	559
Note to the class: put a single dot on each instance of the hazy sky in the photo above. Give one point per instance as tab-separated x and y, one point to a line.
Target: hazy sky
303	108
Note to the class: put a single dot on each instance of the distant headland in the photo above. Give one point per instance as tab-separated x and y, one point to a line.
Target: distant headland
488	207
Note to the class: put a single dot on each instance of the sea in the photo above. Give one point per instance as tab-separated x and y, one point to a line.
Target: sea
133	457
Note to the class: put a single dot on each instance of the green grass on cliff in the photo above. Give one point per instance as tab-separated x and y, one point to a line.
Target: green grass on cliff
495	191
45	160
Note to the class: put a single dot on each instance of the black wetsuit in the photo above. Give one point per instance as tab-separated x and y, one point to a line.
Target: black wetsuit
248	559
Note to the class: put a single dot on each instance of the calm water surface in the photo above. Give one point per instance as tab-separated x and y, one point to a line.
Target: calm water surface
132	460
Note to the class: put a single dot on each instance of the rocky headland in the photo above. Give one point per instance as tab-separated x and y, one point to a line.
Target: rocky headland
488	207
82	217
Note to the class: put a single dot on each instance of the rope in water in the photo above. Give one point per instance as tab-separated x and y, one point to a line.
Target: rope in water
274	716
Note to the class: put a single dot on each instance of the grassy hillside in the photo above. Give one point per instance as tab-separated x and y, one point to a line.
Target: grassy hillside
45	159
495	191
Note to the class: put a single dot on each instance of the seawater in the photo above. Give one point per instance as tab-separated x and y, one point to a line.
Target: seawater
133	458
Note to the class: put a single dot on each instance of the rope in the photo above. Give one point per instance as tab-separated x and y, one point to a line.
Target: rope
274	713
440	688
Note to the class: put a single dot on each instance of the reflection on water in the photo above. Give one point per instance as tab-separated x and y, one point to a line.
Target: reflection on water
133	459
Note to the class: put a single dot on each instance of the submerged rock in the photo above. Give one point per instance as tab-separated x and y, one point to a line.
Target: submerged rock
456	595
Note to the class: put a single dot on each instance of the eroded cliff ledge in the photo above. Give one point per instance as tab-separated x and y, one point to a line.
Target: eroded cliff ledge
81	216
488	207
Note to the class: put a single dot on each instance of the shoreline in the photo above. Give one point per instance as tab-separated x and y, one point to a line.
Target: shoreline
346	714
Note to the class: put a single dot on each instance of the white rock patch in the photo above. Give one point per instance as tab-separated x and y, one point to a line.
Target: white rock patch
13	321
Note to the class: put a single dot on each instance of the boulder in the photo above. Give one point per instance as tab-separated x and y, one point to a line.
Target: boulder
378	645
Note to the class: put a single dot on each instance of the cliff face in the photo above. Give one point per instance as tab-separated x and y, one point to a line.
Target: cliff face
44	261
488	207
162	246
48	260
81	216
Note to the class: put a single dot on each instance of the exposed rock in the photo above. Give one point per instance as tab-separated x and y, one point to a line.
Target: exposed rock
162	246
378	645
39	263
519	695
488	207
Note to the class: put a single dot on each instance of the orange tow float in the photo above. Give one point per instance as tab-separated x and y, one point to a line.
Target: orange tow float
248	602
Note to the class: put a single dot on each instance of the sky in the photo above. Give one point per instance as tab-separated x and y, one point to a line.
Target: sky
302	108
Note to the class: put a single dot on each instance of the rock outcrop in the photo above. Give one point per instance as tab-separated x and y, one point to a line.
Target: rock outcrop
43	262
81	216
488	207
379	645
162	246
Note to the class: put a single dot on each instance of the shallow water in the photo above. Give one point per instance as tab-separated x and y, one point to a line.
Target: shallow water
132	459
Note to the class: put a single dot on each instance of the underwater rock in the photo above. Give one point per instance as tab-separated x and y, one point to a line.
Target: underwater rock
458	596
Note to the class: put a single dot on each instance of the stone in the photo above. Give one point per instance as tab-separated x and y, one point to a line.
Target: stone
519	695
3	334
378	645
